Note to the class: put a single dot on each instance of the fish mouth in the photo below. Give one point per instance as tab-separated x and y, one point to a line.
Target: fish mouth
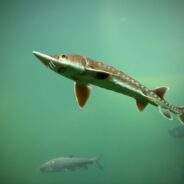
47	60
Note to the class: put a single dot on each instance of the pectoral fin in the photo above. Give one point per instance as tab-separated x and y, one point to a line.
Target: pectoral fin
82	93
100	74
141	105
165	112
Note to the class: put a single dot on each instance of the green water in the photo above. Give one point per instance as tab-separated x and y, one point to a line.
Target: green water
40	118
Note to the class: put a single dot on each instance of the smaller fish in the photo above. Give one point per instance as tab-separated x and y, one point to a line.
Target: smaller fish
68	164
177	131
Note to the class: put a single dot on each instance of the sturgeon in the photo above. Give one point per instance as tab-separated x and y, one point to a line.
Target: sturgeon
85	71
68	164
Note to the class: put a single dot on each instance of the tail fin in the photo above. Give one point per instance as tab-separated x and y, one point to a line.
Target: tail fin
96	161
181	116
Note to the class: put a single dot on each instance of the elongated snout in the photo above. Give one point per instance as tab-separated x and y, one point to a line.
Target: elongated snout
45	59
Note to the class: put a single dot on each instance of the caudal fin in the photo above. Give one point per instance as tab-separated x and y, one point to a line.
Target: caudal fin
181	116
96	161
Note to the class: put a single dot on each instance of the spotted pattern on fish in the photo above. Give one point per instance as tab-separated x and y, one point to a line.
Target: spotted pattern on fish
86	71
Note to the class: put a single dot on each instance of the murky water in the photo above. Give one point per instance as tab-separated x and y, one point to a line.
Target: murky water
40	119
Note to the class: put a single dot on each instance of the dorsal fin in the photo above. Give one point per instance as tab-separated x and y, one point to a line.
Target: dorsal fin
141	105
160	91
82	93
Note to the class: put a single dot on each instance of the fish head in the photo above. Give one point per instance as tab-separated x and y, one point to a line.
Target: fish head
46	167
68	65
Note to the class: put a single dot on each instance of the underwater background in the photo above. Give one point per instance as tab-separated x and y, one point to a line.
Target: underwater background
39	116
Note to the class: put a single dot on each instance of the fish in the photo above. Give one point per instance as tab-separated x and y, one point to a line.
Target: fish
177	131
69	163
85	71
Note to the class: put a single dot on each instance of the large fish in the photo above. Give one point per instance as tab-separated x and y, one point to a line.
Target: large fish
85	71
68	164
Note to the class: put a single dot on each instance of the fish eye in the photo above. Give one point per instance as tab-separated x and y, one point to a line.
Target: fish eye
64	56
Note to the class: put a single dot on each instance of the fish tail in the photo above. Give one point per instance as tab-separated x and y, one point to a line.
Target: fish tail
181	115
96	161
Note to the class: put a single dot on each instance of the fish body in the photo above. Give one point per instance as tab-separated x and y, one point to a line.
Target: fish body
85	71
177	131
68	164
